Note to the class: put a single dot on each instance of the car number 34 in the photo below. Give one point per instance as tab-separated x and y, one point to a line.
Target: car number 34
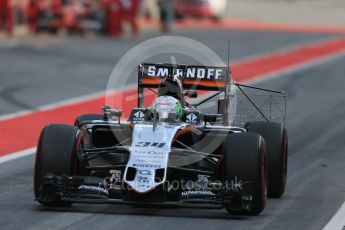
150	144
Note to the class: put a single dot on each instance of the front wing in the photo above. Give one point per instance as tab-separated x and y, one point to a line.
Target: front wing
95	190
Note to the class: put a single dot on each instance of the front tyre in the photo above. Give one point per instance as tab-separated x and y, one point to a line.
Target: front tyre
56	154
245	160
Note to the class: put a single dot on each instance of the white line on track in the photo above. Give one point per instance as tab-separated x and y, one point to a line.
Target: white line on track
261	78
53	105
337	222
16	155
62	103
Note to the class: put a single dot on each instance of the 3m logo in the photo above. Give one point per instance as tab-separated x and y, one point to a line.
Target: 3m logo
139	115
192	118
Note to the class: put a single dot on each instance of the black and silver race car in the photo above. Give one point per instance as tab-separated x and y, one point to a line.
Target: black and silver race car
171	153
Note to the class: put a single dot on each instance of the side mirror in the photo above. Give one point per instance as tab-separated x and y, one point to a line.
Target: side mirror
191	94
221	106
109	112
212	117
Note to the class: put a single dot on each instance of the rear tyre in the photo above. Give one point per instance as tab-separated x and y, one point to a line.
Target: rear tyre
88	117
56	154
244	159
276	139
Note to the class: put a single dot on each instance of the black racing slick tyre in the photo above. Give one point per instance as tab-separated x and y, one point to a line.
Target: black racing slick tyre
88	117
244	160
276	139
56	154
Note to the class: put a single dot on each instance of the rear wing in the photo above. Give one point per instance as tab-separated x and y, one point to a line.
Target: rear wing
251	103
192	77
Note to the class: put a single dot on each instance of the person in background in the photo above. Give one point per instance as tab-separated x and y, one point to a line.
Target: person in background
54	15
70	17
113	15
130	9
6	16
166	14
32	16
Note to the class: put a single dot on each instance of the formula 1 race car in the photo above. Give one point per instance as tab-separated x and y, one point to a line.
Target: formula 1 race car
171	153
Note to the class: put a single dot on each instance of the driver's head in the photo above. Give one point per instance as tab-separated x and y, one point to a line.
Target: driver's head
171	86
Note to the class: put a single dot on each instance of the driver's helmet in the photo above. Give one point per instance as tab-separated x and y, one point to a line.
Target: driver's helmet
170	99
171	86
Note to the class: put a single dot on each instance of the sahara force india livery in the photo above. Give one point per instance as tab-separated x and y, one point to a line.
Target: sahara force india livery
166	154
